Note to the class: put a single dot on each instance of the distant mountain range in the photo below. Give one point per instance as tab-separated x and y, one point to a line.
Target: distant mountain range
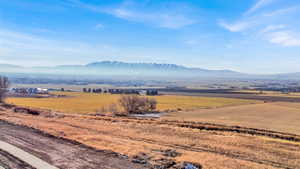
133	70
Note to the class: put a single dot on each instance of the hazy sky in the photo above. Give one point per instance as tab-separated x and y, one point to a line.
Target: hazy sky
254	36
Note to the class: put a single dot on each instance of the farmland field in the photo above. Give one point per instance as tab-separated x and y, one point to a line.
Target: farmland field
76	102
212	146
213	132
271	93
278	116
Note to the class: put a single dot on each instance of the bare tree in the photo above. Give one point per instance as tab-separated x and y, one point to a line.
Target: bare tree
4	83
136	104
152	104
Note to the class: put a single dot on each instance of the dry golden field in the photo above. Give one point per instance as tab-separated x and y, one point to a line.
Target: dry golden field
278	116
77	102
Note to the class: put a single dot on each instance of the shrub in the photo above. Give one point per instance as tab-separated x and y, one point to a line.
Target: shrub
133	104
4	83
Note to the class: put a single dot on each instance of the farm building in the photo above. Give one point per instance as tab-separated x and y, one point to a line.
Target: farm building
29	91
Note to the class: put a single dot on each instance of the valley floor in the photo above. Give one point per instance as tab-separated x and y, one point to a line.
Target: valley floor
148	140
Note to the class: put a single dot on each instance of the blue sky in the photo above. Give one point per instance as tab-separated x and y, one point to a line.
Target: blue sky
253	36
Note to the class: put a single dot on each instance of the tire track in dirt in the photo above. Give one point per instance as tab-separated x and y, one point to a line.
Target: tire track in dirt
25	156
9	161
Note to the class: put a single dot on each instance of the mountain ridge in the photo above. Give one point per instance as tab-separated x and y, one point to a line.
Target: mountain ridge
119	63
137	70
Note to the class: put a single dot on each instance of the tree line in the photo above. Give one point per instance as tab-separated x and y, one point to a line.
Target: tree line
4	83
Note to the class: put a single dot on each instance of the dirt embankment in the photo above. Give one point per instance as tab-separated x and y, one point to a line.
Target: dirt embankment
168	143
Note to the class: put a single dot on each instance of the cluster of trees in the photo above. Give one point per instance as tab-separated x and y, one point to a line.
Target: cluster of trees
133	104
152	92
4	83
90	90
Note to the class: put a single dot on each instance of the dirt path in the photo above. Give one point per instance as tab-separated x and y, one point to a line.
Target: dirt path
59	152
7	161
24	156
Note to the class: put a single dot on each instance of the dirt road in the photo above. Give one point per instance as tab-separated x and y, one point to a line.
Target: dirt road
24	156
11	162
58	152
